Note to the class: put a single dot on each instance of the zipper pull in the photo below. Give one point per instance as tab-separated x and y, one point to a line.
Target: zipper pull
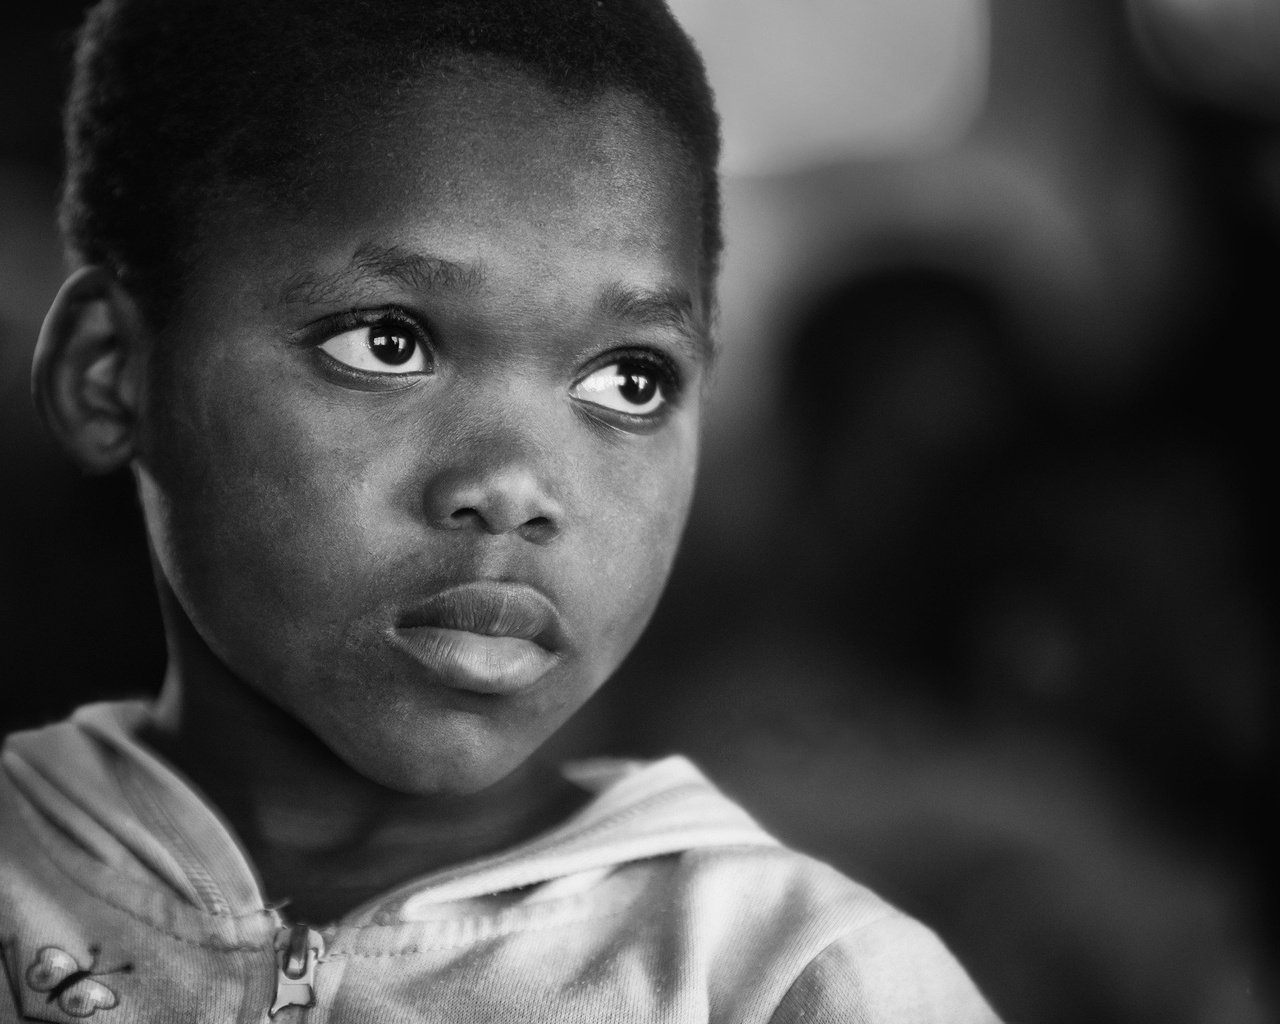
297	951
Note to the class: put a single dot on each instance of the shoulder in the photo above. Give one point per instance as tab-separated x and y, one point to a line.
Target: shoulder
774	934
795	940
892	970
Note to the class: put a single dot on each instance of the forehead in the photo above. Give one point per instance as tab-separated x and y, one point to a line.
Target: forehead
485	173
488	127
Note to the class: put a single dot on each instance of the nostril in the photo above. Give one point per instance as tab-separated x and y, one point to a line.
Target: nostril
539	530
465	517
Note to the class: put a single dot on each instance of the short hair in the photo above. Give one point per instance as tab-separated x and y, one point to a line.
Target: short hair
176	106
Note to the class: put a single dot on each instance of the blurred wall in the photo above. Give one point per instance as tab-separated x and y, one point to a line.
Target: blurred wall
976	600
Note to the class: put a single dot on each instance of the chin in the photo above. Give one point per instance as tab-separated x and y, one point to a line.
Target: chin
453	755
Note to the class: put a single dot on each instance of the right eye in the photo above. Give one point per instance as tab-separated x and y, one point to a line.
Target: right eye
389	347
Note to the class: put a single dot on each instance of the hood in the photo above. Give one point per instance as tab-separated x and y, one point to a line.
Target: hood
100	789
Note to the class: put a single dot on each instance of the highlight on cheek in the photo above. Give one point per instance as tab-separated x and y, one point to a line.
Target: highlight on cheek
379	348
632	386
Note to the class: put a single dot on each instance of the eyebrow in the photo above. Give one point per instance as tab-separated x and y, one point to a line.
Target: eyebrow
661	307
370	262
643	307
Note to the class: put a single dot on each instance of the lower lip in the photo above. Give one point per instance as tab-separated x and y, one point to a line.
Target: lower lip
474	662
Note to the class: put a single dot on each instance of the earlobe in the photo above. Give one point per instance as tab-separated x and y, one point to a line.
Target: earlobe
87	372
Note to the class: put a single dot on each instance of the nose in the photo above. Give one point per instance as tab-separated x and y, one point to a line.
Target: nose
496	493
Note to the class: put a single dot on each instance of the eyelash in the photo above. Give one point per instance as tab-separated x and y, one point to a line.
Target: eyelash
351	319
355	319
670	380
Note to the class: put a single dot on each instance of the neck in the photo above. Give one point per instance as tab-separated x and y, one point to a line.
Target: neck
323	837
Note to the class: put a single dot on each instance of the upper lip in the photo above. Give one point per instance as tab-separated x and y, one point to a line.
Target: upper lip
491	608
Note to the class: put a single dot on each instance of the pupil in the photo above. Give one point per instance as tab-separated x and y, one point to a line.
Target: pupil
389	345
638	387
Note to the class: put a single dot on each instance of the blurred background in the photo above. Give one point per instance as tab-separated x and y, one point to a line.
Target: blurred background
977	598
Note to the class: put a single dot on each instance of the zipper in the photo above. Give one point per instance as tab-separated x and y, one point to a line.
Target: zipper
298	950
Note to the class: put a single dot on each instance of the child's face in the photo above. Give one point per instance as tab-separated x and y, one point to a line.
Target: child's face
441	376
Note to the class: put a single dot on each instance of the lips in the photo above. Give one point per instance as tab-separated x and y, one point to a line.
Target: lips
483	637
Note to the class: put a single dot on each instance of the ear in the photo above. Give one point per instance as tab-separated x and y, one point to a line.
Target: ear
88	370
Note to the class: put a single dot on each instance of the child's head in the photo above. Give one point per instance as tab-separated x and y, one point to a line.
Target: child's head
399	310
179	110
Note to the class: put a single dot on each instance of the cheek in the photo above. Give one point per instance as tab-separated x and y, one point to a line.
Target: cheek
643	503
251	495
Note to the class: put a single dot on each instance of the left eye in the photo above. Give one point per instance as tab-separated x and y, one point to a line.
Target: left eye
379	348
632	386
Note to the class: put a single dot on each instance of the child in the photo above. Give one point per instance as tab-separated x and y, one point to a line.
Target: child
399	312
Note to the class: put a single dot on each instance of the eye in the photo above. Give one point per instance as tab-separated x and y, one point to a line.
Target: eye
637	387
389	347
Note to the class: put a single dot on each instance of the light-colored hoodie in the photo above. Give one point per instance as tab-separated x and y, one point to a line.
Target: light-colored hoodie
124	897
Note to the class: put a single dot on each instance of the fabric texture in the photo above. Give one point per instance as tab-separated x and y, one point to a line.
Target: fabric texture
124	897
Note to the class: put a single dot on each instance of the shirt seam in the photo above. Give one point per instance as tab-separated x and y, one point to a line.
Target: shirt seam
55	861
888	914
428	947
201	878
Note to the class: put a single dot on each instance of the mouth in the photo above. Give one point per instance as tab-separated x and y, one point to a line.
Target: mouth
483	637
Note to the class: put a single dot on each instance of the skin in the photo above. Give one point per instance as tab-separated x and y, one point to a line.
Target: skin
296	508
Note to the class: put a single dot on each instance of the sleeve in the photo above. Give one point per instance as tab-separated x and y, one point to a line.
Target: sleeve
894	971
